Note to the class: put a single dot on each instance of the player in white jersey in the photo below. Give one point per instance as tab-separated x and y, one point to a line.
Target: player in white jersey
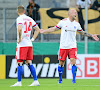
24	50
68	45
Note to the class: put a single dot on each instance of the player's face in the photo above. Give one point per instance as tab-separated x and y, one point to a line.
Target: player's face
74	14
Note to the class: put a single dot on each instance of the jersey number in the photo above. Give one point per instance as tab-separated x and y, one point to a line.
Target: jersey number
28	28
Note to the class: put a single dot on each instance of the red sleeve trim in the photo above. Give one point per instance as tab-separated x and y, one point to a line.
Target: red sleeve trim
58	27
79	30
34	25
19	23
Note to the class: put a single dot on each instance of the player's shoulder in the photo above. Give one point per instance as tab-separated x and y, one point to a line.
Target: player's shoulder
76	22
29	18
79	1
18	18
65	19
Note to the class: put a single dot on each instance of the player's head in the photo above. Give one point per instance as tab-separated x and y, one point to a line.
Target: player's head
72	14
20	10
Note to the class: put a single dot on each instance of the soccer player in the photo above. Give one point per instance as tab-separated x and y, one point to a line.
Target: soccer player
24	49
68	46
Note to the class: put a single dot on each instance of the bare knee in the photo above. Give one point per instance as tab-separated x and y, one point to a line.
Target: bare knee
61	62
28	61
72	61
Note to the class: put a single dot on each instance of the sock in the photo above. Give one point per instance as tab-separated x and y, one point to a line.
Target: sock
33	71
74	69
19	72
60	71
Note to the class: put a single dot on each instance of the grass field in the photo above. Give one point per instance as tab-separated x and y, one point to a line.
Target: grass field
52	84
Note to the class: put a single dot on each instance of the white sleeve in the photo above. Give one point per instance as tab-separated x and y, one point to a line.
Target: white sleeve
19	21
33	23
79	29
59	25
89	1
78	2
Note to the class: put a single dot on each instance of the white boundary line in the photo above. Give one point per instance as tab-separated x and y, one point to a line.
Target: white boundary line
75	85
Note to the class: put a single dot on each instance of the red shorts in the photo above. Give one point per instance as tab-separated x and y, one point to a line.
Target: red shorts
24	53
71	53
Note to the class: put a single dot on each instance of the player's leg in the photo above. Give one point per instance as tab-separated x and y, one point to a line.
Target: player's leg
74	69
19	73
62	57
31	67
73	57
60	70
33	72
20	56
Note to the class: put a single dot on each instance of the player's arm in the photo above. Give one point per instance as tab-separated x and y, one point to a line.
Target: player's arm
19	32
37	30
94	36
90	3
85	34
52	29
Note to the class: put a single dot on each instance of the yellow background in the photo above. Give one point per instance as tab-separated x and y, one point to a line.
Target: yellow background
93	28
2	66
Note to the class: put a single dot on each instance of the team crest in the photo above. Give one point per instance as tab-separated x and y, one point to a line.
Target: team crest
59	57
74	27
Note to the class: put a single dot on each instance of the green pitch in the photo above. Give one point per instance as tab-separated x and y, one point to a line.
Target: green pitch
52	84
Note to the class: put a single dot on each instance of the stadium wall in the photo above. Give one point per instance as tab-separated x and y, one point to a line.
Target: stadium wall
50	48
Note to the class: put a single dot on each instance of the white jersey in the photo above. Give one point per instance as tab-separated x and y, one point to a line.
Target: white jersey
82	3
27	24
68	33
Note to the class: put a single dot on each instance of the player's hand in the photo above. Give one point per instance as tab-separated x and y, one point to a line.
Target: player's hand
32	39
94	36
19	41
77	9
98	9
42	31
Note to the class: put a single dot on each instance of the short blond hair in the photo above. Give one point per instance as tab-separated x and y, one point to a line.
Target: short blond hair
20	9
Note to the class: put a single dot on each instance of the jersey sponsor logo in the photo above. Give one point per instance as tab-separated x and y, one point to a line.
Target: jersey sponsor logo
69	30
